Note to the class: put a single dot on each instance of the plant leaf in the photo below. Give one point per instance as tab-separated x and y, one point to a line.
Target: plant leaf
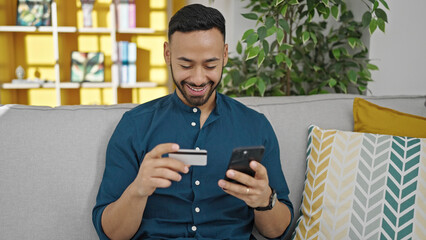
250	82
251	16
247	33
279	58
265	46
261	86
261	32
293	2
372	67
284	24
260	58
352	76
288	61
316	68
332	82
335	12
336	53
239	47
252	52
381	24
352	42
366	19
285	46
251	39
314	38
284	10
384	4
325	2
381	14
270	22
305	37
278	2
373	25
280	36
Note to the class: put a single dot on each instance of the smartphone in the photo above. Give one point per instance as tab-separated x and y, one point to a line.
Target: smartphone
241	158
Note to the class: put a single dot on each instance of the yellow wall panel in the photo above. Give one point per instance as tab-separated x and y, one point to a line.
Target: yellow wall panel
157	3
158	20
158	75
142	95
42	97
95	96
7	71
39	49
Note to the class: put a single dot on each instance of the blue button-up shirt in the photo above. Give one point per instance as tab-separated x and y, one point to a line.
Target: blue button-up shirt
195	207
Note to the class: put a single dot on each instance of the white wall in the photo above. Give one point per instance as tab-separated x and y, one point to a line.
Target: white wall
400	53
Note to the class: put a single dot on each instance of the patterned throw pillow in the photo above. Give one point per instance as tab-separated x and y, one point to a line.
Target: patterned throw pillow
363	186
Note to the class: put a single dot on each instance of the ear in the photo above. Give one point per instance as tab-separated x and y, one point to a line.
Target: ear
225	55
167	53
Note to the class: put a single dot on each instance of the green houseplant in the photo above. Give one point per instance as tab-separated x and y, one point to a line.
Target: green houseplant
294	51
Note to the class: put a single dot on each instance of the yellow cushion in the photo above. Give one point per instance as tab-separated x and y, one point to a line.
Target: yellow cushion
372	118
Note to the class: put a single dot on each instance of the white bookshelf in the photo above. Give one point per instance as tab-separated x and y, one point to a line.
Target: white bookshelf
56	30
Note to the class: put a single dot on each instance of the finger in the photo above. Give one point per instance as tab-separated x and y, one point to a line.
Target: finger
236	189
259	169
240	177
172	164
161	183
162	149
166	173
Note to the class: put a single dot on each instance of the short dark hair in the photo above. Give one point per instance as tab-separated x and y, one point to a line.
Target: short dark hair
195	17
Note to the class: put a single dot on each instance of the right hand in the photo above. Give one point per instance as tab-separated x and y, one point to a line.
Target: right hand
157	172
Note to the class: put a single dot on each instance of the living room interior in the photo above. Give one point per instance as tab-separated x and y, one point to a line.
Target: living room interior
355	163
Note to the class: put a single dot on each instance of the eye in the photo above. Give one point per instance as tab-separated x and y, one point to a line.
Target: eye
210	67
185	67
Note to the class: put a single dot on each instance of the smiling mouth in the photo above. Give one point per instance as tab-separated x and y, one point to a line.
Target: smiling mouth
197	91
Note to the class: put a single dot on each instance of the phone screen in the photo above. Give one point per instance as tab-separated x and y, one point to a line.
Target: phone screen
241	158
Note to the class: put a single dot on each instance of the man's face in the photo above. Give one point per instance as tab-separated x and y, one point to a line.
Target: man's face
196	61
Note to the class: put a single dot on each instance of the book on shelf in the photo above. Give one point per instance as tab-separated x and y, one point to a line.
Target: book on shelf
132	52
124	60
127	52
126	14
34	13
87	66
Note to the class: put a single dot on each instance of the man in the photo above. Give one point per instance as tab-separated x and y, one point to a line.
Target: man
145	194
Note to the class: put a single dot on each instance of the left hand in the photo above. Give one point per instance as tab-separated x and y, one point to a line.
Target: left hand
255	192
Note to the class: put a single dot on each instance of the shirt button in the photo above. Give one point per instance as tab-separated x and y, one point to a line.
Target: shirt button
195	110
193	124
197	209
197	182
194	228
197	148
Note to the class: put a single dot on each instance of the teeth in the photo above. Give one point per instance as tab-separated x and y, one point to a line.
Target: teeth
196	89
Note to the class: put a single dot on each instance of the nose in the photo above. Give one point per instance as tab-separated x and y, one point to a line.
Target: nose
199	76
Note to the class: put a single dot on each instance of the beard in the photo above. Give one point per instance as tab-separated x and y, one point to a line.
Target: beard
196	101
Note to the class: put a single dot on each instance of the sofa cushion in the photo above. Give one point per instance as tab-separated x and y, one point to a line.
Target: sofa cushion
51	164
363	186
372	118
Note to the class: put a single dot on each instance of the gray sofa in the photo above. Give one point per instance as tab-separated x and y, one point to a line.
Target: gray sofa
52	159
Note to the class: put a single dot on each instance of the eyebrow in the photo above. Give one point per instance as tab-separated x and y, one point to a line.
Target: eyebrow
206	61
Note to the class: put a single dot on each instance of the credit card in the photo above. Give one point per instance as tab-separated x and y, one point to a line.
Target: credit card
190	156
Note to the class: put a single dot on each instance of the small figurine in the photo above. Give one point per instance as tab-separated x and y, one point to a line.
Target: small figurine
20	72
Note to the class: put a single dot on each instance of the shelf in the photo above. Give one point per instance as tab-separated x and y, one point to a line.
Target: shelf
136	30
18	29
20	85
47	29
96	85
62	85
139	85
95	30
